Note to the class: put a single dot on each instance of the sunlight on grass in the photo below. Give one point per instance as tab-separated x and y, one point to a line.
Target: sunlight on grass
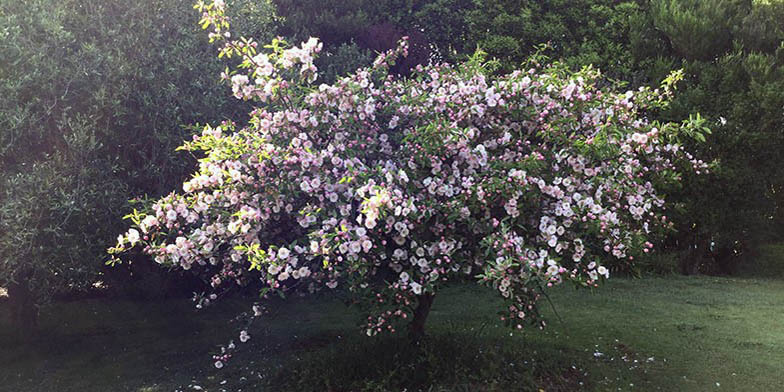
150	389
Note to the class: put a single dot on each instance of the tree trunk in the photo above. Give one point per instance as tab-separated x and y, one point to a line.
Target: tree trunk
24	313
417	327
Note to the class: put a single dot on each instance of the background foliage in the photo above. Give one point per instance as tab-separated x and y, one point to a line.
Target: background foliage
91	110
94	98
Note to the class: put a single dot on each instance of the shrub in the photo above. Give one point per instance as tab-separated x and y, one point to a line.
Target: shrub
697	29
52	220
94	96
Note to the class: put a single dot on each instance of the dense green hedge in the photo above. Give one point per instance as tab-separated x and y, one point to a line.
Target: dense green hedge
94	99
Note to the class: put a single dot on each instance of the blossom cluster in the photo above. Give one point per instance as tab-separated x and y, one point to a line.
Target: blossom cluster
392	186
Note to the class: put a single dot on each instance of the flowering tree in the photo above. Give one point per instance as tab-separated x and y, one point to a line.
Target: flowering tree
390	187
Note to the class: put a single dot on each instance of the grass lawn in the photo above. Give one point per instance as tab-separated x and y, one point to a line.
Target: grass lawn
669	334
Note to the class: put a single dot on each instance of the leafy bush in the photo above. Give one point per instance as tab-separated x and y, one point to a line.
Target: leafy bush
94	97
342	60
353	32
579	32
697	29
737	204
52	219
761	29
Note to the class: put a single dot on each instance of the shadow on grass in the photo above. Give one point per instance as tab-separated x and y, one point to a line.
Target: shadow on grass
442	362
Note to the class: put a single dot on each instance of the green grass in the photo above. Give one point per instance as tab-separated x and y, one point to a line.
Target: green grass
669	334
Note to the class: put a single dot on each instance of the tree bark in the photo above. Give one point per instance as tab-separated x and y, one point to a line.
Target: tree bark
24	313
417	327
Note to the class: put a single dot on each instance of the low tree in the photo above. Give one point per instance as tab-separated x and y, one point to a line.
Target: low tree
391	187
